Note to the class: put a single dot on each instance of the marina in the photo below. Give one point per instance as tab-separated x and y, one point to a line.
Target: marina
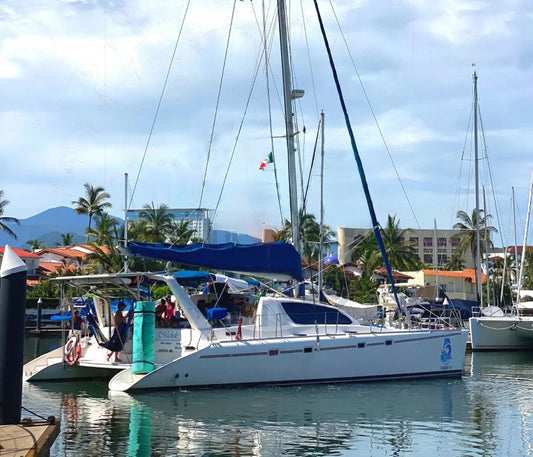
138	363
486	412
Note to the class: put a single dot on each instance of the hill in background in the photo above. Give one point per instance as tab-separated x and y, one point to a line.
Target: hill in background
48	226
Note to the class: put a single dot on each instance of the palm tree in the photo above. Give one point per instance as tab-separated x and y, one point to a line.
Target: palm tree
401	256
105	259
94	203
105	231
66	239
455	263
35	244
182	233
309	234
527	280
3	219
158	223
467	231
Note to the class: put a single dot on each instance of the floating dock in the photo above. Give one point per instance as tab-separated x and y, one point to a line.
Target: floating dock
28	438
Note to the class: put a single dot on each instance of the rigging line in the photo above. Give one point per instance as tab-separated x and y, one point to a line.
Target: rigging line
374	116
217	105
358	160
267	78
309	59
490	175
159	102
239	130
459	180
294	112
312	162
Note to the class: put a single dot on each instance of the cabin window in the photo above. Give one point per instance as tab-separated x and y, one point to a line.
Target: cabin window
309	314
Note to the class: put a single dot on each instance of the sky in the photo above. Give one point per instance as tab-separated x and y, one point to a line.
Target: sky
81	82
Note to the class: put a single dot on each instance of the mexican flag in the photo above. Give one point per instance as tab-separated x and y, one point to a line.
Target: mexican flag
268	159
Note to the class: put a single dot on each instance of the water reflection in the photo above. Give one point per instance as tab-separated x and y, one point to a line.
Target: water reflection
486	413
501	398
318	420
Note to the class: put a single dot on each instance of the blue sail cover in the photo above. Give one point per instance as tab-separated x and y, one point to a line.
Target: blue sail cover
272	259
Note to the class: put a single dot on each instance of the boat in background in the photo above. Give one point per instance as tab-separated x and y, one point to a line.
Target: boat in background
498	331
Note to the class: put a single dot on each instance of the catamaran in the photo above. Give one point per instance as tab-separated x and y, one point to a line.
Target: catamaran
287	340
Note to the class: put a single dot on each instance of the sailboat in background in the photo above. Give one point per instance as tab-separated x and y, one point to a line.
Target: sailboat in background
513	332
288	340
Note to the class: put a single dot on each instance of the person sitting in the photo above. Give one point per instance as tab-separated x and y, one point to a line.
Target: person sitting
209	288
118	318
77	323
288	290
160	309
169	312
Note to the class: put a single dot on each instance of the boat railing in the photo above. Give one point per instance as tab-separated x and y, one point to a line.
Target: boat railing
476	311
451	319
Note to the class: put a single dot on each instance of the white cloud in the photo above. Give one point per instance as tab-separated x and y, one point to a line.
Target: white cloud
81	83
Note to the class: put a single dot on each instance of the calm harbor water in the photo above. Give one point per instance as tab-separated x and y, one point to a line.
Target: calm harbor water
486	413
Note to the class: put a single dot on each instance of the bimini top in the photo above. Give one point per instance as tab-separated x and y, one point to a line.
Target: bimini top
277	259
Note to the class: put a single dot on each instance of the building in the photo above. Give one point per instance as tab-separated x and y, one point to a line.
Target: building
433	247
198	219
456	284
29	258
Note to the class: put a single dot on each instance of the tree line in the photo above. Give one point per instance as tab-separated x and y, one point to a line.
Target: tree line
156	224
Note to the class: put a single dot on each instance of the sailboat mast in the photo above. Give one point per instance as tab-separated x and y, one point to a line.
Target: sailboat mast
516	266
320	260
126	220
289	124
476	168
524	245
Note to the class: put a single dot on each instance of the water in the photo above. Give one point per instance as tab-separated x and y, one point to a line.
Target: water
486	413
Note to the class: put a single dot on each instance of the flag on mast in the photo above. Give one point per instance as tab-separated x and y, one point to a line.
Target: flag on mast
268	159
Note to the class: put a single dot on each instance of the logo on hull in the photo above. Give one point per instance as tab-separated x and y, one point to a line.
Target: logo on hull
446	353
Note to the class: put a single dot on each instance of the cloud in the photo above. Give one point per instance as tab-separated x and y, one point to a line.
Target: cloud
82	80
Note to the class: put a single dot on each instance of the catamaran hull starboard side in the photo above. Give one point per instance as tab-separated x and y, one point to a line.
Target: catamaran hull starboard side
305	360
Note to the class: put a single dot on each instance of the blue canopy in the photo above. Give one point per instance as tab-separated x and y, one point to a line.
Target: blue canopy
272	259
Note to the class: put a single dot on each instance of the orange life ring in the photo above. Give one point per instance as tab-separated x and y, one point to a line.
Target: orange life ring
72	351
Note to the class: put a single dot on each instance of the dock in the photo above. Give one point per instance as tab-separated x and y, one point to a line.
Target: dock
29	438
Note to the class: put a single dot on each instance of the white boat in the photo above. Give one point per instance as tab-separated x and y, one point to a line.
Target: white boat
507	332
512	332
84	353
287	340
293	341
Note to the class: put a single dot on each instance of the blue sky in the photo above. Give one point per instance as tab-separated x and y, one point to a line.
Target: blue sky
81	81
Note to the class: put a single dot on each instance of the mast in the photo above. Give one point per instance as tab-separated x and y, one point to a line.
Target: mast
320	260
126	221
516	265
486	245
524	245
476	167
364	183
289	124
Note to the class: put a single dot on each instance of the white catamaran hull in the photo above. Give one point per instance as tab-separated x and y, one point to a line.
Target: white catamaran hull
301	360
93	362
501	333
